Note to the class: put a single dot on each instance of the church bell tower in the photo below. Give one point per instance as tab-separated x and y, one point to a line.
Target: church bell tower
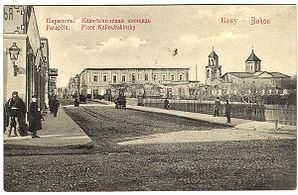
253	63
213	69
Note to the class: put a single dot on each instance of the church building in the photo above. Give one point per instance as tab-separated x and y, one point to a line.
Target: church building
253	77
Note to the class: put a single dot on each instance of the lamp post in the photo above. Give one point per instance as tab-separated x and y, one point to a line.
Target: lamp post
14	52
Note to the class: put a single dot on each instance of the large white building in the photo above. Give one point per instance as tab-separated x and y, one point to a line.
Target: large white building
95	81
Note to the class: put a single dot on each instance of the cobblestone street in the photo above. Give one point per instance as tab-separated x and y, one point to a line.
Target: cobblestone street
108	166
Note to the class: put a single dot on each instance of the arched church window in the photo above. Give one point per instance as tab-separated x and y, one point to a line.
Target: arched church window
208	73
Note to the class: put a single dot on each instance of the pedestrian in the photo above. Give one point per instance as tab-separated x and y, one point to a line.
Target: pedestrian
15	110
51	104
76	102
166	104
54	105
35	117
216	107
228	112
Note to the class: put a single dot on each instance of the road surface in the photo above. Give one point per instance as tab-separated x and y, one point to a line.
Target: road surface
110	166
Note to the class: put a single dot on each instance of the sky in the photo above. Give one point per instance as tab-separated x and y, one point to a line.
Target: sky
192	29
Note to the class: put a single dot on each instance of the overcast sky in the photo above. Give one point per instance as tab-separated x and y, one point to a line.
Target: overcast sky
193	30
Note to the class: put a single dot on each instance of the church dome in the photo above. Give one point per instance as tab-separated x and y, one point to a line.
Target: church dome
253	57
212	54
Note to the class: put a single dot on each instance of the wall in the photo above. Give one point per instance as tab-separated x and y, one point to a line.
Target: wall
14	83
284	114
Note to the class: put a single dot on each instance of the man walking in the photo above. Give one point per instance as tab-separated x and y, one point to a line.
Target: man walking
216	107
228	112
54	105
15	109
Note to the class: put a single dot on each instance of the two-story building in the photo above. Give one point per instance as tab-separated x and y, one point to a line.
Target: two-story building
95	81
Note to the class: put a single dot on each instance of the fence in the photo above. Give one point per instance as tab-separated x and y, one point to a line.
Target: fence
284	114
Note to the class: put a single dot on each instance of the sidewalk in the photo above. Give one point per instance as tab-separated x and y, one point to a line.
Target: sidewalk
57	132
240	124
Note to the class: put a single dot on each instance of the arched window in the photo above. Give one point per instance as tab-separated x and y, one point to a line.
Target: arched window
208	74
146	77
114	78
133	78
154	77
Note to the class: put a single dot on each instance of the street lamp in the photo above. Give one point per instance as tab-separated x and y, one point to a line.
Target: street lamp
14	52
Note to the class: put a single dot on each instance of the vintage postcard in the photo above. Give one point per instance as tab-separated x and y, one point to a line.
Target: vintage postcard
149	97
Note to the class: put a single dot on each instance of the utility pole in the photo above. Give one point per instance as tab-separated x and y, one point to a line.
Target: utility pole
196	73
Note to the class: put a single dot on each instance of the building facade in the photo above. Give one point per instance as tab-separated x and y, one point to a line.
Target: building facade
53	74
96	81
73	86
45	67
24	70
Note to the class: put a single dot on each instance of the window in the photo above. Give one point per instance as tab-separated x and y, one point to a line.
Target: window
146	77
114	78
173	77
95	78
154	77
180	77
105	78
208	74
133	78
163	77
123	78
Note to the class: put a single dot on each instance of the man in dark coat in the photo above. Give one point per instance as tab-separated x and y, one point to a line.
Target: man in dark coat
76	102
216	107
15	110
34	118
228	112
54	105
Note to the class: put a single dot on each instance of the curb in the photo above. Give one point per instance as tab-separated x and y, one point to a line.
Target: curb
185	117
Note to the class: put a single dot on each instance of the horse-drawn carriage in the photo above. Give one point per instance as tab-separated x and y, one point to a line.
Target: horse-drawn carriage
120	102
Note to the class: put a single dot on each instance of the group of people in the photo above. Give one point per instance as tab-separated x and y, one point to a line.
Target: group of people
15	114
217	108
228	110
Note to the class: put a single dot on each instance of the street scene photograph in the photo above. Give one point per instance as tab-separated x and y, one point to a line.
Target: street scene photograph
119	98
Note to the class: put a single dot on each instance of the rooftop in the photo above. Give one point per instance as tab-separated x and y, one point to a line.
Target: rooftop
253	57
